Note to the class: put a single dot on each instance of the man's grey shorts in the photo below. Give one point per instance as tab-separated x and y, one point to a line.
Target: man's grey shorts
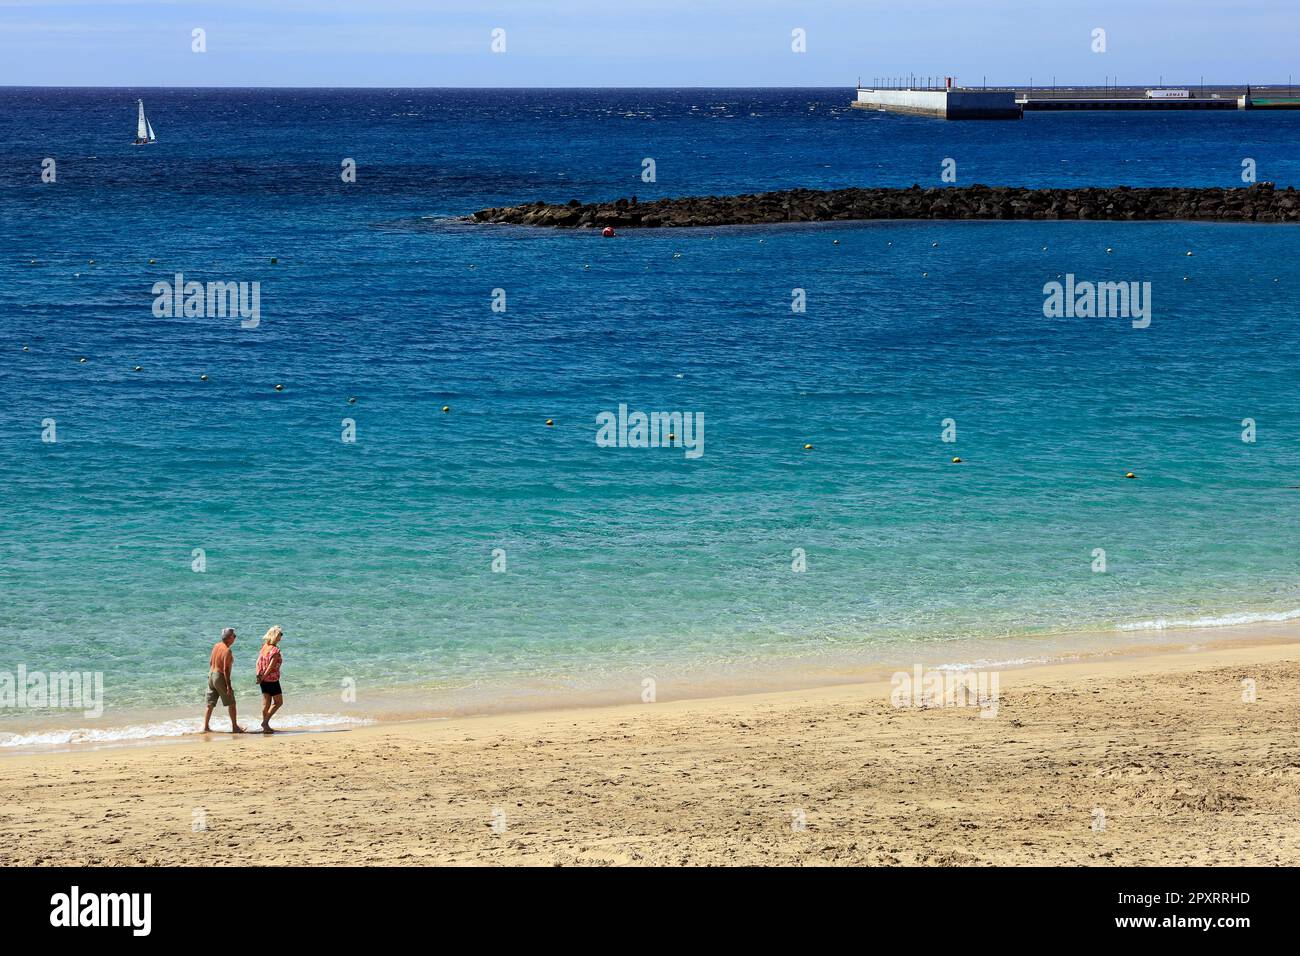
219	689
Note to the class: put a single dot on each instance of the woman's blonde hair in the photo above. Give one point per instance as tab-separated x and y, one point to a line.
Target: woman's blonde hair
273	635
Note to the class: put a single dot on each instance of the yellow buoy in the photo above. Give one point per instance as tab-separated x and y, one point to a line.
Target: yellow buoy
446	408
807	447
1130	475
550	421
956	461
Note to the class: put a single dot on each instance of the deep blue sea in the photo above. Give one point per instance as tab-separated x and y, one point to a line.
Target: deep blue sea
620	564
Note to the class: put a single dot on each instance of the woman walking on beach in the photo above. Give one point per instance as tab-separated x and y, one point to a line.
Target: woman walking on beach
268	675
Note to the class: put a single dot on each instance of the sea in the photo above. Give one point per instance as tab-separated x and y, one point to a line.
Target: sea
398	457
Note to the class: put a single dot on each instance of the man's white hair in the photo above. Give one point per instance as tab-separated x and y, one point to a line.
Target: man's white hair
228	632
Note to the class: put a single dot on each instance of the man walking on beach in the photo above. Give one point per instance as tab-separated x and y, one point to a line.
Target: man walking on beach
219	687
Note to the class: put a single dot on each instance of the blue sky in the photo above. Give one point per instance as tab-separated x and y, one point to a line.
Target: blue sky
640	42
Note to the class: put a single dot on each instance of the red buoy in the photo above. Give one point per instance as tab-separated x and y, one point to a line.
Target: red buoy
608	232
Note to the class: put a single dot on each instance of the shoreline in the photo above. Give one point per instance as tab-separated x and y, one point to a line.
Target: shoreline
1163	749
1259	202
407	706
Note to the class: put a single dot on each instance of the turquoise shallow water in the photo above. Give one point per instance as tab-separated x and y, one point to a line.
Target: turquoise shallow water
376	556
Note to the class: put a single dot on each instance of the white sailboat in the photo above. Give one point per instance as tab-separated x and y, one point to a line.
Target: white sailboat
143	129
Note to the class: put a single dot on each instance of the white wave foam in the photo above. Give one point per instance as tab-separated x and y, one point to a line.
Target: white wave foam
165	728
1226	620
993	665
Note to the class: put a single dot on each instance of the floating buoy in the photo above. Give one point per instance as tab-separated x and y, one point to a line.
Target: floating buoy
1189	252
807	447
1130	475
279	388
446	408
677	255
351	400
835	243
153	262
26	349
550	422
608	232
1044	248
91	262
274	260
137	369
934	245
925	275
1109	250
586	265
956	461
82	359
472	266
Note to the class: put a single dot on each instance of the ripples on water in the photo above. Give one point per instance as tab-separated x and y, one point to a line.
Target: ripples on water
375	557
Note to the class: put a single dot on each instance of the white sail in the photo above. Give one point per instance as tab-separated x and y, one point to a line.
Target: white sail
151	135
142	125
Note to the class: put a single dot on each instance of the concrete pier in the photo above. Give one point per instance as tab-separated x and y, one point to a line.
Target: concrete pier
953	104
1156	98
956	102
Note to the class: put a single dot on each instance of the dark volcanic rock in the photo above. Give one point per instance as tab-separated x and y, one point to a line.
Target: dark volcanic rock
1258	203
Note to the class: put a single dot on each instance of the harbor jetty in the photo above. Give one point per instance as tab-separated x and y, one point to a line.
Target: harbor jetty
1261	202
942	98
946	102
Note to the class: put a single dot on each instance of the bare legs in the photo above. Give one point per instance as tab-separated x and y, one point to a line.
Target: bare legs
207	720
269	706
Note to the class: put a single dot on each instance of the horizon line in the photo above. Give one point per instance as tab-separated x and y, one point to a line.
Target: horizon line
1037	86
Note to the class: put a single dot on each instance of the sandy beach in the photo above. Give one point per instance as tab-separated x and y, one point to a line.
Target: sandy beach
1155	759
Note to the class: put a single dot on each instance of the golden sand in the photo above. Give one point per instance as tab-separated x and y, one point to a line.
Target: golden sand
1155	759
